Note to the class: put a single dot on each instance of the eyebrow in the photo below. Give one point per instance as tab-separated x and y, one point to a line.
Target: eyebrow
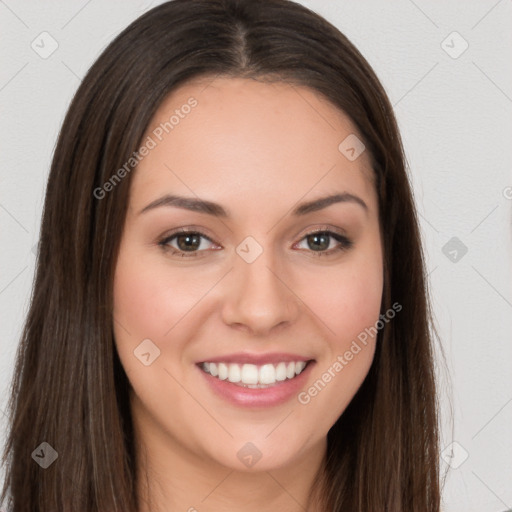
211	208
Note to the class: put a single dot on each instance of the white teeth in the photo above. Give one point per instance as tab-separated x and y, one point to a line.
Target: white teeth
290	371
234	373
251	375
281	371
299	367
223	371
267	374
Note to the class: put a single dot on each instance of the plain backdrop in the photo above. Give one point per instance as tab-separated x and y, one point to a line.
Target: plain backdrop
447	68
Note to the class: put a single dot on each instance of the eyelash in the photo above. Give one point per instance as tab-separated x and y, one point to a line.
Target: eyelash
344	242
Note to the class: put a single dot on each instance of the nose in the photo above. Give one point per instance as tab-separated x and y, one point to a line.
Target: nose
258	299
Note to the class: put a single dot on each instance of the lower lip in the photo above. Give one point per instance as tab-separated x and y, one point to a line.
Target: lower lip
274	395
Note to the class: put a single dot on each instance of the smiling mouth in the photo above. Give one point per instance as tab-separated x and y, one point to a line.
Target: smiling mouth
255	376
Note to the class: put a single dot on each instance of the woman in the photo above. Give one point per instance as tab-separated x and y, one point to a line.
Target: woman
230	306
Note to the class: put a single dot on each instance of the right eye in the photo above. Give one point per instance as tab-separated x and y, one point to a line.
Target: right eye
187	243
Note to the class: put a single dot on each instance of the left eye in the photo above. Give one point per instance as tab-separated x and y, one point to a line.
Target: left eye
320	242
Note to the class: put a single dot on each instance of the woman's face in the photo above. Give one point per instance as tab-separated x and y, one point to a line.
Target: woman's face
250	287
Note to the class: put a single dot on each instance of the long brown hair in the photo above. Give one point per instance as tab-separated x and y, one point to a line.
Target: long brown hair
69	388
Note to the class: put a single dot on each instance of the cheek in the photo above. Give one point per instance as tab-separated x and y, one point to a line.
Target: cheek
149	299
350	348
356	305
138	301
347	300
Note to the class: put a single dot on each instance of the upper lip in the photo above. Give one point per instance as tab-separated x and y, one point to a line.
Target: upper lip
257	359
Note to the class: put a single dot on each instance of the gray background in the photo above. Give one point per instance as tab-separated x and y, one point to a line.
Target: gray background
454	109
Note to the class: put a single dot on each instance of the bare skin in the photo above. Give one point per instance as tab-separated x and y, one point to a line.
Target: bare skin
259	150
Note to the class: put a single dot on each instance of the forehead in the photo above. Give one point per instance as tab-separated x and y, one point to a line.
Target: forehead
249	137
